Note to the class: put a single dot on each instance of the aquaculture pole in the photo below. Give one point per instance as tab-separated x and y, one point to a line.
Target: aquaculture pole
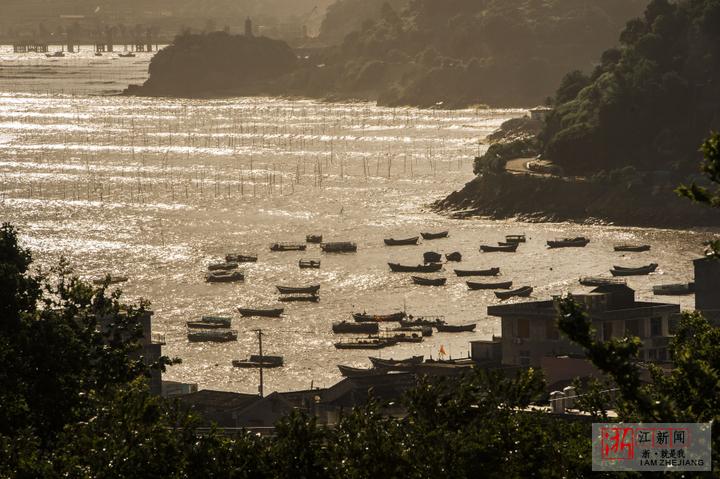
260	335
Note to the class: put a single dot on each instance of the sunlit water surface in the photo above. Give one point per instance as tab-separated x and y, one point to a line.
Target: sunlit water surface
156	189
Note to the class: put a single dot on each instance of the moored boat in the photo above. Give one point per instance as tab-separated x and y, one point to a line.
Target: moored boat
425	331
406	337
431	321
478	272
347	327
432	257
224	277
640	271
434	236
314	289
339	247
110	279
257	361
478	286
224	320
578	242
378	318
402	242
523	292
312	298
600	281
315	239
421	268
515	239
350	372
679	289
455	257
265	313
366	343
419	280
287	247
455	328
240	258
227	266
510	248
388	363
127	55
204	325
632	248
309	264
55	55
212	335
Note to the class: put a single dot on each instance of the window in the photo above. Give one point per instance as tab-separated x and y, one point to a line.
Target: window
523	328
607	330
655	326
652	354
662	354
525	358
551	329
632	328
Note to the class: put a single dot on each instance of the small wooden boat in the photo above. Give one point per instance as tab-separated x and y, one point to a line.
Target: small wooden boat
523	292
223	320
110	279
127	55
632	248
455	257
432	257
339	247
368	343
315	239
300	299
454	328
641	271
257	361
350	372
421	268
626	268
264	313
287	247
579	242
407	337
434	236
478	272
227	266
240	258
212	335
419	280
402	242
378	318
55	55
511	248
425	331
504	243
423	322
204	325
477	286
600	281
314	289
309	264
347	327
515	239
680	289
224	277
388	363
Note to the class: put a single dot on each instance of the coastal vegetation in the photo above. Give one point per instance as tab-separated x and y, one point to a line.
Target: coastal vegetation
423	53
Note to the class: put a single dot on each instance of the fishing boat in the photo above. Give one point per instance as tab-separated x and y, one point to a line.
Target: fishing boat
366	343
350	372
110	279
523	292
314	289
478	272
287	247
407	337
212	335
402	242
515	239
204	325
640	271
454	328
55	55
224	277
455	257
421	268
389	363
477	286
264	313
347	327
227	266
257	361
579	242
378	318
632	248
420	281
127	55
312	298
434	236
339	247
315	239
600	281
511	248
432	257
425	331
309	264
223	320
240	258
425	321
680	289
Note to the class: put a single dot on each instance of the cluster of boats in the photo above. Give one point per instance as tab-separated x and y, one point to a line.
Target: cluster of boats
224	272
414	364
211	329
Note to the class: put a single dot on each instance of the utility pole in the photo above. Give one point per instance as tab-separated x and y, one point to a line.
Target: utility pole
260	335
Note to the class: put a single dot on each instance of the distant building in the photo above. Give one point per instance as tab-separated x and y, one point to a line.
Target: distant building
540	113
707	288
530	332
248	27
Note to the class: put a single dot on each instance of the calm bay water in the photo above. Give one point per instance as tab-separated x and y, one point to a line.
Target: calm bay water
156	189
